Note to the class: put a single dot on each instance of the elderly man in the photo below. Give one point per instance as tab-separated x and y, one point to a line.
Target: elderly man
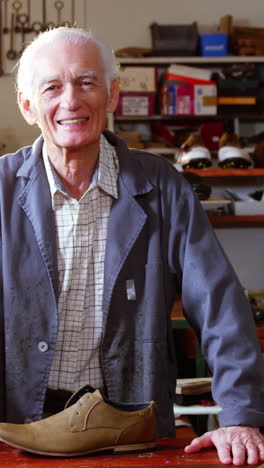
97	241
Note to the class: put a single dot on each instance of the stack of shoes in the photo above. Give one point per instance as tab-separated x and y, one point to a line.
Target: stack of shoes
194	154
231	154
92	424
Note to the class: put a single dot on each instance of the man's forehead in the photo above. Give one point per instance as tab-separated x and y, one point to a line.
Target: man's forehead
64	49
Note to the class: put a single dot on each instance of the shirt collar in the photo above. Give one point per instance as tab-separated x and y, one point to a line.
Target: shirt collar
105	175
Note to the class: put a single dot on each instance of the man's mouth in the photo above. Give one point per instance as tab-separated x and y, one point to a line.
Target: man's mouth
73	121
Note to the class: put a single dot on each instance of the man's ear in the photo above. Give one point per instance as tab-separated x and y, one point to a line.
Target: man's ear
27	109
113	96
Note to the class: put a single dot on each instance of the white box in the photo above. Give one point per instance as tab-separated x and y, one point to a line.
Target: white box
249	208
205	99
138	79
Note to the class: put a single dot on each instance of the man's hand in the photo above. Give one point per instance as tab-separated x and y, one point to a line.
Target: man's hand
234	444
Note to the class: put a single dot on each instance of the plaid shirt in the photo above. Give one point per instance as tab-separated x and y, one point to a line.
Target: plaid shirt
81	232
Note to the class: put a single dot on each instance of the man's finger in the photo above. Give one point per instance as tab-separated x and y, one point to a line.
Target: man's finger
261	451
223	451
199	443
239	453
252	454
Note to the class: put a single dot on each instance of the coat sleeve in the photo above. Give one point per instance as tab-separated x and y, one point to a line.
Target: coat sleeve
2	342
216	306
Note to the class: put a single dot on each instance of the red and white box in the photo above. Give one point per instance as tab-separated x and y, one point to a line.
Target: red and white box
136	104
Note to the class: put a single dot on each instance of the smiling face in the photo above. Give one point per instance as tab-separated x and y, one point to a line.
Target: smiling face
70	98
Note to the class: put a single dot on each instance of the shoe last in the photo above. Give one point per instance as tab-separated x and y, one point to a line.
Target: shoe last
194	154
231	154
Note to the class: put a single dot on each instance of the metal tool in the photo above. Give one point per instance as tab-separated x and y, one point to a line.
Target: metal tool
72	12
59	6
1	50
29	12
11	53
17	5
36	27
44	13
5	27
50	25
22	20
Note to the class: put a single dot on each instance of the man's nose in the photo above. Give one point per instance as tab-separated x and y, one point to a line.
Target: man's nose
70	97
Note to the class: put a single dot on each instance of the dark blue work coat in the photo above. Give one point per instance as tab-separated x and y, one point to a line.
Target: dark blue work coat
159	244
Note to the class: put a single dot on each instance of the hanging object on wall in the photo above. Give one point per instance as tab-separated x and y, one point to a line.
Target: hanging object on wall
1	44
18	23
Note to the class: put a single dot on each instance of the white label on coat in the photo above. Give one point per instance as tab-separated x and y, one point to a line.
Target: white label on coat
130	289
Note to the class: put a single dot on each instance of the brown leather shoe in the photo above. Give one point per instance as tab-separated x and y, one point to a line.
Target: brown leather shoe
90	425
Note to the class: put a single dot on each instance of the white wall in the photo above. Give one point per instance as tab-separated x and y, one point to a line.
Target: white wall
134	17
245	250
121	23
124	23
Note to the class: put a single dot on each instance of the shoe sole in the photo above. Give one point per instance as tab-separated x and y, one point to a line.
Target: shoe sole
115	449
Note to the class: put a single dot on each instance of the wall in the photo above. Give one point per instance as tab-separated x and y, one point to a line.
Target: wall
134	17
123	23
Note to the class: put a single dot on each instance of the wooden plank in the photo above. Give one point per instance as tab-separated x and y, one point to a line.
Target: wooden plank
237	221
170	452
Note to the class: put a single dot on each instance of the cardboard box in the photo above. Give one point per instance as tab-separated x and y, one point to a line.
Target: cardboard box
176	72
188	99
177	99
238	96
248	208
136	104
174	39
138	79
205	99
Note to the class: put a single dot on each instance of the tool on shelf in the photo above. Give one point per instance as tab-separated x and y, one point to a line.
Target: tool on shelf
1	45
5	28
12	53
17	21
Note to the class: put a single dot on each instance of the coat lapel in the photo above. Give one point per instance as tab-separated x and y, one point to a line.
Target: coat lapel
35	200
126	221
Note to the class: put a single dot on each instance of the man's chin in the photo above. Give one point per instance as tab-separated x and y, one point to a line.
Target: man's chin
72	146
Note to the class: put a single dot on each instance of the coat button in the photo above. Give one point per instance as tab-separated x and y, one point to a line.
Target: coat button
28	421
43	346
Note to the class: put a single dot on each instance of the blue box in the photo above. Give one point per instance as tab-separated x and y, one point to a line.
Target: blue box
214	45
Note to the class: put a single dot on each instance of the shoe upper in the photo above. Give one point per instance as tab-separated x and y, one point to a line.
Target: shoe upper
89	424
194	153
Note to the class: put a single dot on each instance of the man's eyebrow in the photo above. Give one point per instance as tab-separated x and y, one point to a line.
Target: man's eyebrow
50	79
89	74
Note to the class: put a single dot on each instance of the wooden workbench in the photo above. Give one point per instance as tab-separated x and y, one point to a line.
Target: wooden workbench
170	453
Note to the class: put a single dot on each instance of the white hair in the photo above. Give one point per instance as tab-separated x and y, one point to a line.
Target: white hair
70	35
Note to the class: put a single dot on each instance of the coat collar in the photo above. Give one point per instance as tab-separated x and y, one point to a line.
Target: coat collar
128	165
32	159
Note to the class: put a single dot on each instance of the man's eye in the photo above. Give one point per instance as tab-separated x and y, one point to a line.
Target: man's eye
87	83
51	88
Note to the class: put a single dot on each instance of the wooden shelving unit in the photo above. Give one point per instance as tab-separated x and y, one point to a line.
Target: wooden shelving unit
189	60
223	175
215	176
218	172
237	221
185	117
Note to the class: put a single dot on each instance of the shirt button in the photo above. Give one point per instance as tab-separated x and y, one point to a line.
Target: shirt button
43	346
